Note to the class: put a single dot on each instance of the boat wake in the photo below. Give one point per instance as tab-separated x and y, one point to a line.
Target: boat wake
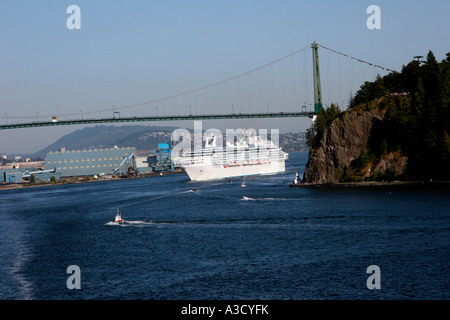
128	223
268	199
147	199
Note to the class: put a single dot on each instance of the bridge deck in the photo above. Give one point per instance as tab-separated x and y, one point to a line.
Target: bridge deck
160	118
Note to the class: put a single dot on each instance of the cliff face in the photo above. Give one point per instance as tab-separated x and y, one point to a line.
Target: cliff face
343	143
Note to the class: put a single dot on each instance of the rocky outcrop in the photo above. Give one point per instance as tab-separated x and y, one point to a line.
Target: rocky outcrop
393	162
343	142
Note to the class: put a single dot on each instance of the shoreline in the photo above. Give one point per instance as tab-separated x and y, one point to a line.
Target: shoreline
13	186
371	184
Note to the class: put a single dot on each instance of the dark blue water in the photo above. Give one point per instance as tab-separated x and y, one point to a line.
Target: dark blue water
283	243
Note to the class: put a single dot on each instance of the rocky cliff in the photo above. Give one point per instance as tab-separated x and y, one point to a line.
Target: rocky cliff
344	153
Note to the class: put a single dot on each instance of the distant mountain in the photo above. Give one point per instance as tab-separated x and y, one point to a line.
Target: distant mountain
140	137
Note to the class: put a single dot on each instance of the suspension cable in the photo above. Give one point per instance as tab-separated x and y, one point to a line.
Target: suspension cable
353	58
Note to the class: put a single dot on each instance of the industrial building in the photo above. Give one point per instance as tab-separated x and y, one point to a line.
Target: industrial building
23	175
92	162
89	162
161	159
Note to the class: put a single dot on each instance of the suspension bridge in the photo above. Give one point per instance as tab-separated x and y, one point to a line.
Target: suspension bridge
278	89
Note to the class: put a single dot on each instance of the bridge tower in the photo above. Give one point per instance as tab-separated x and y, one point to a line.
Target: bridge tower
316	76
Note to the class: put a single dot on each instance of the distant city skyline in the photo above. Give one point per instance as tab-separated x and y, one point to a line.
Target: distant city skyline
130	52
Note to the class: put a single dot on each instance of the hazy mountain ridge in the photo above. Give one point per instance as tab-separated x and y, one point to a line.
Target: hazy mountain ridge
141	137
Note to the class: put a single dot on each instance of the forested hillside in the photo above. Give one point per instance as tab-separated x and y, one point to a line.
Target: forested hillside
415	120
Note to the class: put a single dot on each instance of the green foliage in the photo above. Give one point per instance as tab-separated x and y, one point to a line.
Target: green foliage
324	119
53	179
384	146
369	91
364	158
32	179
416	125
445	78
338	174
417	120
352	178
446	146
381	176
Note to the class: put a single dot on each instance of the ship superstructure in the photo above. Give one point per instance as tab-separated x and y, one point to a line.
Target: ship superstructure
251	155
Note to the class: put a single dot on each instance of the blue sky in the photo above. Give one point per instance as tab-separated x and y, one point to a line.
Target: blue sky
129	52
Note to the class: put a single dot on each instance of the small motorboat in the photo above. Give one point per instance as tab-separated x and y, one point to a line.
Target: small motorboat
194	189
245	198
118	218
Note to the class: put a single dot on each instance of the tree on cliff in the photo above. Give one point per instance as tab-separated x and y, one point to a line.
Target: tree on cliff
419	126
369	91
416	123
324	118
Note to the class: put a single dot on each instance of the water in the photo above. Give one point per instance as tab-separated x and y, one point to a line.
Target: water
280	243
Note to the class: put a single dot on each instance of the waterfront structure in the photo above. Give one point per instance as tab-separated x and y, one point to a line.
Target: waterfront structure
18	175
88	162
159	160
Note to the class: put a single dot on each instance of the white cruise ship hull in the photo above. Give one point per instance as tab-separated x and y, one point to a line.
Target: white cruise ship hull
203	172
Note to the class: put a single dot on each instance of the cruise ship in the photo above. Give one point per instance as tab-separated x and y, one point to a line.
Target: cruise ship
252	155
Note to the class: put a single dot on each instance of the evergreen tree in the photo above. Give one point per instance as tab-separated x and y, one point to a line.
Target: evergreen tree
324	119
418	124
369	91
445	78
431	81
